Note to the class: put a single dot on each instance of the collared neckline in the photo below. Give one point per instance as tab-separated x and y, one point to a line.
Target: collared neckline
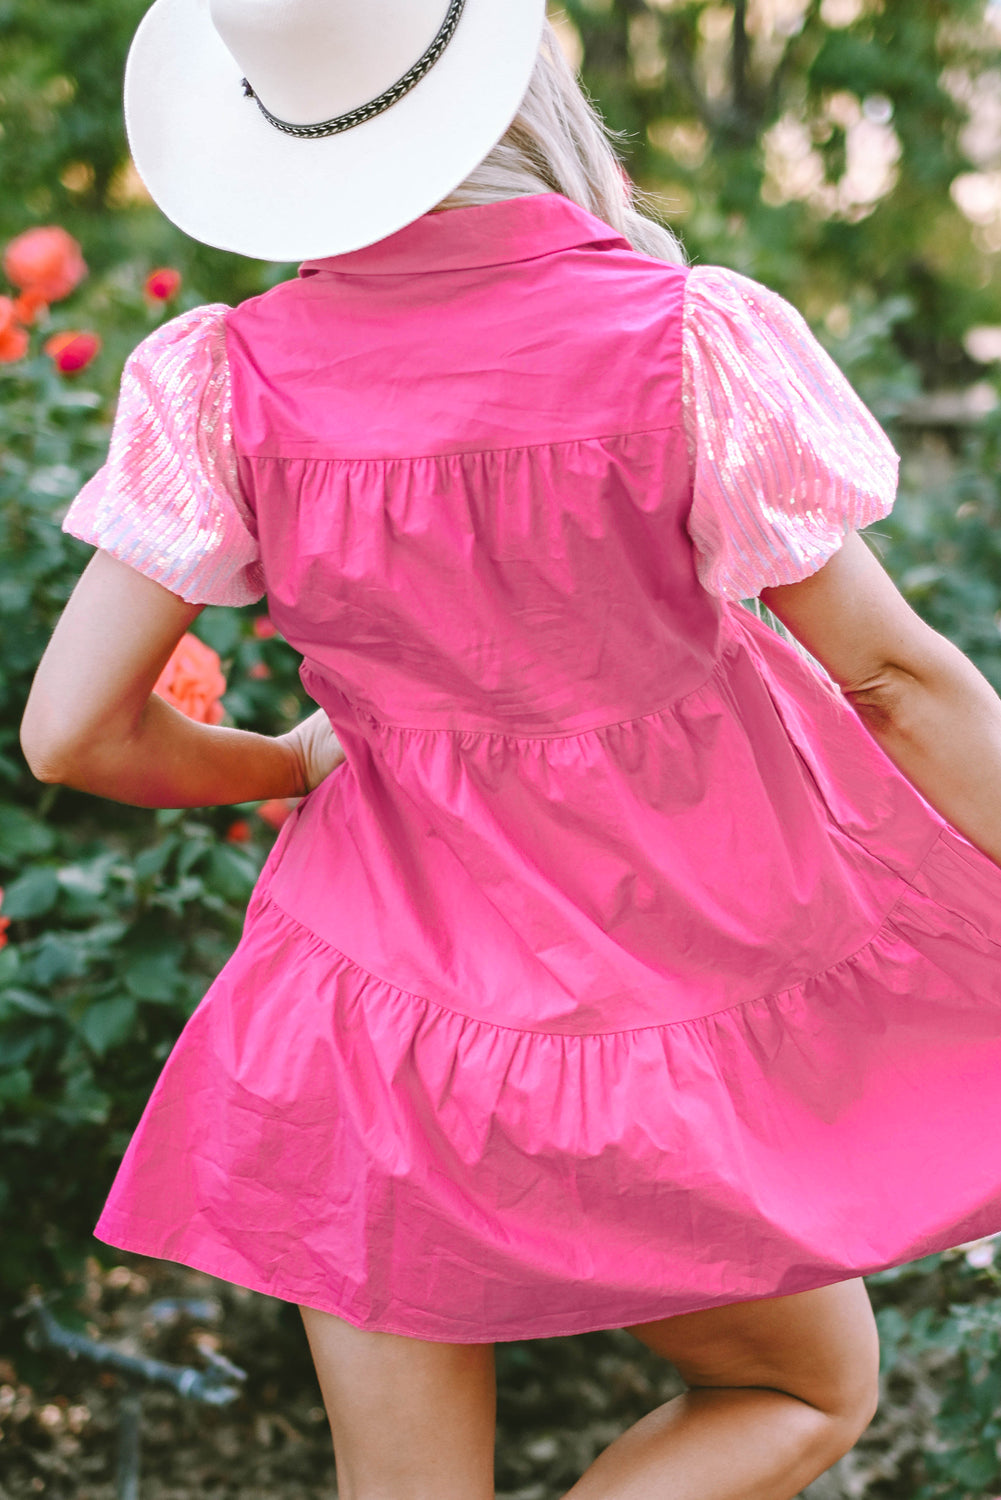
483	234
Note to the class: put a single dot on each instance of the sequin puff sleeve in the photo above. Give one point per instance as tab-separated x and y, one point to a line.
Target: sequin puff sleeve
786	459
168	501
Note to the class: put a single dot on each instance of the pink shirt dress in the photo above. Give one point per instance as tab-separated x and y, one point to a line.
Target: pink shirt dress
617	972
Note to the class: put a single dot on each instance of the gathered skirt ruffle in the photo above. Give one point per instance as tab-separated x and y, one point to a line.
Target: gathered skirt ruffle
320	1135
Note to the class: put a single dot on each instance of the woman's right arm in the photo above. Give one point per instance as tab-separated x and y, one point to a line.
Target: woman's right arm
927	706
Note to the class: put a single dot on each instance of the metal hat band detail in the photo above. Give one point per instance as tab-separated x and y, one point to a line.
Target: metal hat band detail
375	106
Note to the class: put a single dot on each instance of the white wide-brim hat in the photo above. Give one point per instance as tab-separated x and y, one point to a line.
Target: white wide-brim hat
218	167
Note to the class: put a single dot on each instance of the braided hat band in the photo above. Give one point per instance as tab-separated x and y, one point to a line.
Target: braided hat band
374	106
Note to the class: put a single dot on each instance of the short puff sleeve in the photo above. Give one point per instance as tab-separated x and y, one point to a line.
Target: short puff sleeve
168	502
786	459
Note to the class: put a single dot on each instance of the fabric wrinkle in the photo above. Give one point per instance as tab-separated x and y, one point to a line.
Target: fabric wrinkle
616	969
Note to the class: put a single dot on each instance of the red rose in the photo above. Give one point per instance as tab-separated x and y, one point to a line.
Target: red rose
238	832
13	340
192	681
263	628
259	669
4	924
162	284
71	350
46	260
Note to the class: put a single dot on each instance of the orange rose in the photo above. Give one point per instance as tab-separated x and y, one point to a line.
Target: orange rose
47	260
192	681
277	809
13	340
238	832
71	351
162	284
28	306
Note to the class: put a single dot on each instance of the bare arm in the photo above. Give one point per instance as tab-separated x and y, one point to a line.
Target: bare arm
92	721
930	710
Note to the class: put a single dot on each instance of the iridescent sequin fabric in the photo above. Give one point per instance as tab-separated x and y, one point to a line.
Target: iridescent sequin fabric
786	458
168	502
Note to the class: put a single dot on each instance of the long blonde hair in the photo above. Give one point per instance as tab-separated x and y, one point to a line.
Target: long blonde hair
558	143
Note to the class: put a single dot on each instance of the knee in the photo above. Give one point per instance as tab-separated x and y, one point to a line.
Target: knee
848	1417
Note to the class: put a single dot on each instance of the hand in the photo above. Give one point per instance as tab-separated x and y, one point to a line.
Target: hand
317	749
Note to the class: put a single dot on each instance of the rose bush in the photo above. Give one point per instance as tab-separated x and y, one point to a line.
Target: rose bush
114	919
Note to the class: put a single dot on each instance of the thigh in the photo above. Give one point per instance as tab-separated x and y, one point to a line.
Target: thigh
411	1419
821	1346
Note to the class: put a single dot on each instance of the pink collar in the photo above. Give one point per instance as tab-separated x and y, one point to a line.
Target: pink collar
486	234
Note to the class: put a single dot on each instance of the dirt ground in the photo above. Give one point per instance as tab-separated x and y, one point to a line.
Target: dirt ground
559	1402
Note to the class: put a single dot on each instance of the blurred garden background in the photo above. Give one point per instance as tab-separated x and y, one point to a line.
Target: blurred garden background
845	152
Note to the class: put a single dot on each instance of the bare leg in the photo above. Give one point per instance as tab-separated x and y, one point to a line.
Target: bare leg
779	1389
411	1419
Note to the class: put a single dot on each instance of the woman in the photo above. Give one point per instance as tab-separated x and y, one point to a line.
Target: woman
620	967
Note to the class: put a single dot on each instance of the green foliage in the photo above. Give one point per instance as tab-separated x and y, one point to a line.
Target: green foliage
707	91
119	916
944	1313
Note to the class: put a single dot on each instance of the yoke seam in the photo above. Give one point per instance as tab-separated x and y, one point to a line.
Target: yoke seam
405	458
574	734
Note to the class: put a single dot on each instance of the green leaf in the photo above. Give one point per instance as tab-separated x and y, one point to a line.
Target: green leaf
18	1001
229	872
176	898
151	861
219	628
107	1023
15	1086
977	1469
88	877
58	956
10	962
153	976
22	835
31	894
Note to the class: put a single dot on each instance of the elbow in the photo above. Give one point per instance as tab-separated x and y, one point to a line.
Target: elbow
46	760
42	764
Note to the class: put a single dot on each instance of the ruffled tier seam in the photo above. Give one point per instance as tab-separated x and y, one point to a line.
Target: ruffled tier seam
730	645
265	897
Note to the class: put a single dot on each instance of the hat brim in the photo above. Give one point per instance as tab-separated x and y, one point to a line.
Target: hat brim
216	167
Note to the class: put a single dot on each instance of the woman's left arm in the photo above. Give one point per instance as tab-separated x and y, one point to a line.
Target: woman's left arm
93	722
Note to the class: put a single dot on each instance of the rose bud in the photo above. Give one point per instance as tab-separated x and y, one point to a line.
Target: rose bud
162	284
71	351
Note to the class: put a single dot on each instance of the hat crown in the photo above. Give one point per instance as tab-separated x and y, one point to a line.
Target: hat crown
311	60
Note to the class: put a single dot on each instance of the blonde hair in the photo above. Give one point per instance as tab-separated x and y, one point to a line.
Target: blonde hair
558	143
